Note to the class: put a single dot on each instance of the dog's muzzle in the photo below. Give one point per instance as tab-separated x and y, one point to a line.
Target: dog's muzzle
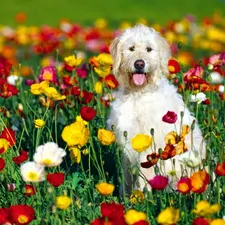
139	76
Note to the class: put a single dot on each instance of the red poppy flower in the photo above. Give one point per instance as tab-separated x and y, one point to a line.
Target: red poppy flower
21	214
7	90
21	158
206	102
87	113
173	66
111	81
169	117
86	96
112	210
159	182
30	190
4	216
70	81
168	152
200	221
75	91
184	185
55	179
112	213
46	46
220	169
10	135
152	159
2	164
5	67
82	72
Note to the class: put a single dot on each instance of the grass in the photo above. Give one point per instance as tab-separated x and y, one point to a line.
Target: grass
86	11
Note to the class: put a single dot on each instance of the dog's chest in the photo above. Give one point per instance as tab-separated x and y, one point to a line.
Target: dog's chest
138	114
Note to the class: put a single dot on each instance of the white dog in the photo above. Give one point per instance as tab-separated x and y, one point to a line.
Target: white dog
140	57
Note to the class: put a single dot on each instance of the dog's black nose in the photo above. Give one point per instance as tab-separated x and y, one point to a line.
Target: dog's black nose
139	64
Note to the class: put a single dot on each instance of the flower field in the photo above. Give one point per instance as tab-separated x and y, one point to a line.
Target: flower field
60	163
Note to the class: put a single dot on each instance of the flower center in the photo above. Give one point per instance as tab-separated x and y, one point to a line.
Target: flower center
33	176
171	68
22	219
183	187
47	76
47	162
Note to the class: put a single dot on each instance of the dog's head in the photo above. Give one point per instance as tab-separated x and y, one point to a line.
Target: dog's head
140	57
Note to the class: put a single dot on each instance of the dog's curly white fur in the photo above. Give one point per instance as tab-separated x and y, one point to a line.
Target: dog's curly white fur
140	57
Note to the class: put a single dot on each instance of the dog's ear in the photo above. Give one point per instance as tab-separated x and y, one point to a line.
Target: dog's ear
116	54
165	53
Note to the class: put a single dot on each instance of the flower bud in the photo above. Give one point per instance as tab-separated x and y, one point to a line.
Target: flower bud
179	45
125	134
152	131
193	125
156	169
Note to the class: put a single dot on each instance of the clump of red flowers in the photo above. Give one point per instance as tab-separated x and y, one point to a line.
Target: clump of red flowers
112	213
87	113
173	66
169	117
55	179
159	182
21	158
184	185
30	190
17	214
220	169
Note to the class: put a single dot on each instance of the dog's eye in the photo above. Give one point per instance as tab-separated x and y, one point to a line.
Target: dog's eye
131	48
148	49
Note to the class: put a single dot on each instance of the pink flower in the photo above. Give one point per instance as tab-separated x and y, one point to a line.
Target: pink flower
218	59
194	75
82	72
169	117
49	73
29	82
159	182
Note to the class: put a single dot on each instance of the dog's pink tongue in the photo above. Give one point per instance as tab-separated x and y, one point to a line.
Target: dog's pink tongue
139	79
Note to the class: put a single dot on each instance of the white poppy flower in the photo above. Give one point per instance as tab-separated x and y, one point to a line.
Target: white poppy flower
200	97
221	89
190	158
32	172
13	79
216	78
49	154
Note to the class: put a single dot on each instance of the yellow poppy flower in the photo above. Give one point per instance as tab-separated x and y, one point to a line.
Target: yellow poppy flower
76	134
98	87
168	216
137	196
38	123
105	188
141	142
73	61
132	216
203	208
75	154
63	202
106	137
4	145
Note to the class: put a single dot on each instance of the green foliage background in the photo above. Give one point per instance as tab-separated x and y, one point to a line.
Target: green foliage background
85	11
